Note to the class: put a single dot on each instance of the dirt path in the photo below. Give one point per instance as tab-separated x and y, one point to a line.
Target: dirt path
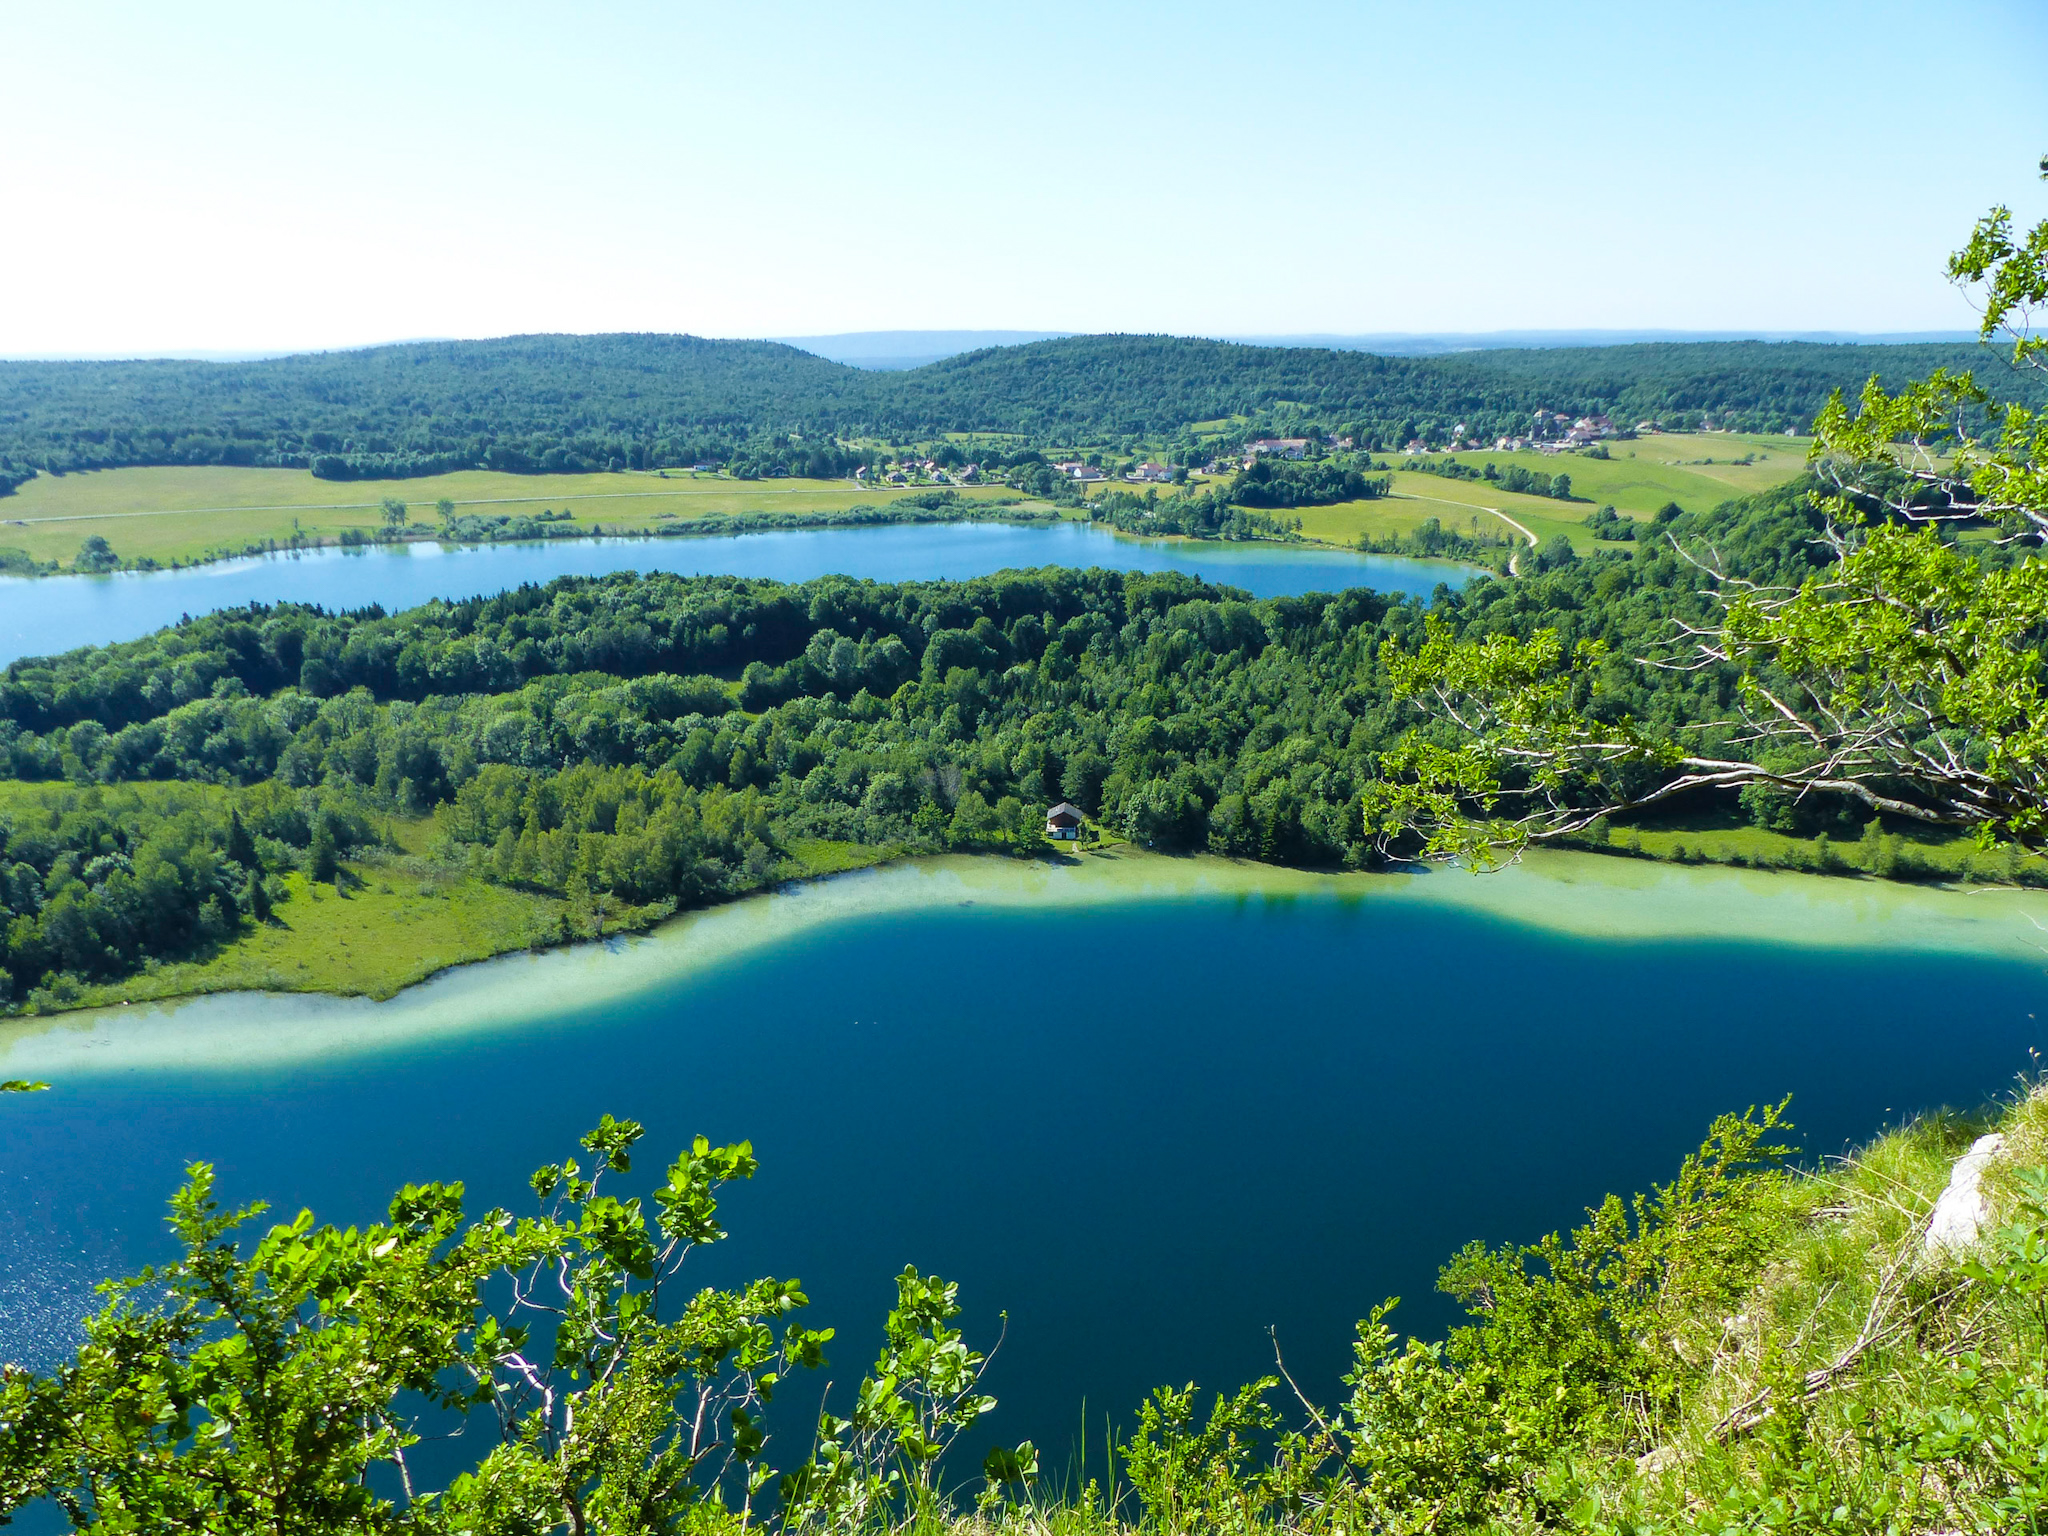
1514	560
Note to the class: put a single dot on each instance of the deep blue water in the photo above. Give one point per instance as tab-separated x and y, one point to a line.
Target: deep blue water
53	614
1147	1132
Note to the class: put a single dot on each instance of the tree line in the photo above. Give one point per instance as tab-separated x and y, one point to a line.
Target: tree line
660	737
558	404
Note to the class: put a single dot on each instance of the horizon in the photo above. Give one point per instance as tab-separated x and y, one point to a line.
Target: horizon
235	179
901	349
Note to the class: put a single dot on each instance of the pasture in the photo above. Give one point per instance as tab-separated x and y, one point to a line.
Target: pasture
1697	470
182	514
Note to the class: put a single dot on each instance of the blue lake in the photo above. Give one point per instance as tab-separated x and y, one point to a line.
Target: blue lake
1147	1128
53	614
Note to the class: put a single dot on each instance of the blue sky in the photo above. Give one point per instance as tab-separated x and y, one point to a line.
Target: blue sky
245	176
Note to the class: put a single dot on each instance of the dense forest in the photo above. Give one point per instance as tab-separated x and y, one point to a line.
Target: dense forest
590	403
656	738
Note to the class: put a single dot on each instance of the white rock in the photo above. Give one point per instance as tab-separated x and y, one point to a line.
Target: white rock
1961	1212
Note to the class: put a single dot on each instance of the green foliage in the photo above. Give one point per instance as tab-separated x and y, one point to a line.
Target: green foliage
1240	510
240	1393
647	401
1209	1479
1905	673
1514	478
665	739
95	883
1745	1348
254	1391
921	1395
95	555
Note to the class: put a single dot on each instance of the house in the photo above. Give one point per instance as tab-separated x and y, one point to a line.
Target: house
1150	474
1286	447
1063	821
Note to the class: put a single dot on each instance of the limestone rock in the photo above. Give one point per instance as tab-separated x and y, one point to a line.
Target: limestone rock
1960	1213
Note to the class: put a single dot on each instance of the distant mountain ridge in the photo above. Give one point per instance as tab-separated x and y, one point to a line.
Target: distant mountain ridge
913	349
637	400
883	350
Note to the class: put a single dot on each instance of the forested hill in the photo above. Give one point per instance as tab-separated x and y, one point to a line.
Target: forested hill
517	402
1159	384
533	403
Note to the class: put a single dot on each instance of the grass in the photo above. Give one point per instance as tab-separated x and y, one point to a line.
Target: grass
1919	855
399	917
1641	477
807	858
186	513
402	920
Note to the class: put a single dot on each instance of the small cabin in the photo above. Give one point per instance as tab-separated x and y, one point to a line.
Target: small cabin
1063	821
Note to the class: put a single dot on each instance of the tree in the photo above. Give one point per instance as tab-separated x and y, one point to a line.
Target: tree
95	555
1906	674
445	510
280	1389
322	858
241	847
395	513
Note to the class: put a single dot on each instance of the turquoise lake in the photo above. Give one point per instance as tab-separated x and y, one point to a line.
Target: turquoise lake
49	615
1148	1124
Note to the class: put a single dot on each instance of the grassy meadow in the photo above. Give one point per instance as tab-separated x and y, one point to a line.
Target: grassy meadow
195	513
399	914
1696	470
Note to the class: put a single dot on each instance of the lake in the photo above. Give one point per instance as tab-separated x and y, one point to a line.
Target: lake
48	615
1149	1107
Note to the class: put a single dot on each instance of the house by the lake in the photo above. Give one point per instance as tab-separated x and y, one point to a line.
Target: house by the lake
1063	821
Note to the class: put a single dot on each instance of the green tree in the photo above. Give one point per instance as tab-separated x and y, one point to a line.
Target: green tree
975	822
1906	673
95	555
395	513
258	1391
323	861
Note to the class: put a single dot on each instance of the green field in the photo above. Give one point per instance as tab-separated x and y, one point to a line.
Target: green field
1641	477
186	514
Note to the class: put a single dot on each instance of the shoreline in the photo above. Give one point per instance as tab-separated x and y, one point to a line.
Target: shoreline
1021	511
1569	895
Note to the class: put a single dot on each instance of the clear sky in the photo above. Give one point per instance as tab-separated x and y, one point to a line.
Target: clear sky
256	176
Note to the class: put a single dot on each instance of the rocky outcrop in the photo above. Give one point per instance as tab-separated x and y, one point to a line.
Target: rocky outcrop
1960	1213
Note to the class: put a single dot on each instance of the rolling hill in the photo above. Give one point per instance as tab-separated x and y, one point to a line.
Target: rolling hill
535	404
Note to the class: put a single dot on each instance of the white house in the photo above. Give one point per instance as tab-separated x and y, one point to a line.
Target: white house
1063	821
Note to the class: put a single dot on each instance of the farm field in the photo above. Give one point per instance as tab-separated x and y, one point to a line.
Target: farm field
1454	503
190	513
1696	470
1641	477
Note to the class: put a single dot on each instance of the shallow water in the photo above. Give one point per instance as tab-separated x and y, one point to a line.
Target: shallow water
1149	1107
53	614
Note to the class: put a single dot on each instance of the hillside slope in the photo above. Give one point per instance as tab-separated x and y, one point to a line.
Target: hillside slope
556	403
